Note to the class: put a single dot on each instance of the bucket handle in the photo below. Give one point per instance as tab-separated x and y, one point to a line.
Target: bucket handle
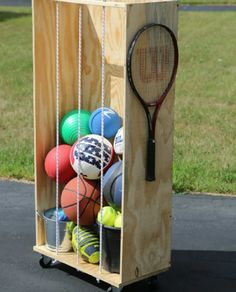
40	214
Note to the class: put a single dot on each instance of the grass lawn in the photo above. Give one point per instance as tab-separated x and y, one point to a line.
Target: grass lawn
207	2
16	104
205	136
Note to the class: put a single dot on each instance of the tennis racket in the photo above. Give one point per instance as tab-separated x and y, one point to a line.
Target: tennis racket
152	63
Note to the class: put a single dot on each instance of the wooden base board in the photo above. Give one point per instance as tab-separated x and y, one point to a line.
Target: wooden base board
70	259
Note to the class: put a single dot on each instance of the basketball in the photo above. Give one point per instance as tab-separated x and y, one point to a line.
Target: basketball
69	126
89	156
119	142
113	185
112	122
87	242
66	172
89	201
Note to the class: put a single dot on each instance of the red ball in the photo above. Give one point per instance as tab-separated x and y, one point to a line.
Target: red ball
89	200
66	171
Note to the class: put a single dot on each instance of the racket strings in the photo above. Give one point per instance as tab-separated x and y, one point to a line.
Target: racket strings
153	63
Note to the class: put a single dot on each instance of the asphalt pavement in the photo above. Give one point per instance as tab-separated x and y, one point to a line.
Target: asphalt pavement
203	248
15	2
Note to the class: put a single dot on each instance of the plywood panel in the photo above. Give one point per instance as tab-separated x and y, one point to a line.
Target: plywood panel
44	90
114	57
147	205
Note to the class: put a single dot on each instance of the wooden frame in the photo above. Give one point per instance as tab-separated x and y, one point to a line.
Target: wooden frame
146	206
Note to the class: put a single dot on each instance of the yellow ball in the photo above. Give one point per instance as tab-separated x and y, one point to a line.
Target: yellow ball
118	220
108	216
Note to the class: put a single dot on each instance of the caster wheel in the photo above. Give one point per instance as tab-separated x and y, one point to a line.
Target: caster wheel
153	281
45	262
114	289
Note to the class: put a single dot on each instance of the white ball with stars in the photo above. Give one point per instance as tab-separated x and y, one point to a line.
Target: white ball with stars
85	156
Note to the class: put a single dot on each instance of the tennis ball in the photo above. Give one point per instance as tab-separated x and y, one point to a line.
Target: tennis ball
108	216
118	220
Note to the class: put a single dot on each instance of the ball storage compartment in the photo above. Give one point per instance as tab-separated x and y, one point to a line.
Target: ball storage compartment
142	247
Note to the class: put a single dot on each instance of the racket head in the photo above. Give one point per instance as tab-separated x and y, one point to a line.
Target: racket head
152	63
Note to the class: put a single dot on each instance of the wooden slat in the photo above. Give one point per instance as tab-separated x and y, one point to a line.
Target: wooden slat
147	205
44	90
118	4
95	3
70	258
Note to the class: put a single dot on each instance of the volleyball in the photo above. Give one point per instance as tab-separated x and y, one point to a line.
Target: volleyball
119	142
113	185
89	200
88	152
69	126
112	122
108	216
66	172
87	242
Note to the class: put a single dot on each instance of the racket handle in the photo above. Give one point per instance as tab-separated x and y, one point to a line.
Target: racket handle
150	167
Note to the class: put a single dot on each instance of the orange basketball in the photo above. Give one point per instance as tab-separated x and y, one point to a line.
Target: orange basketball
89	200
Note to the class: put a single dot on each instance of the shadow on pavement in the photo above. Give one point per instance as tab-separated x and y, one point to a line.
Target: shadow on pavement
6	15
191	271
203	248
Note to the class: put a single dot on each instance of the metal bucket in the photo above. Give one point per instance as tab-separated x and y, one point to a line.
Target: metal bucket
65	233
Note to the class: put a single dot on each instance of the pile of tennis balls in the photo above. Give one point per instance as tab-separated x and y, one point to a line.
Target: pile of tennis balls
110	217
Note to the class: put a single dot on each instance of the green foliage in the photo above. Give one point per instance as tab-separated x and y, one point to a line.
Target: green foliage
207	2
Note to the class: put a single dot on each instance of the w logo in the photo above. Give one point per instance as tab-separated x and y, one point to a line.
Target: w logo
152	63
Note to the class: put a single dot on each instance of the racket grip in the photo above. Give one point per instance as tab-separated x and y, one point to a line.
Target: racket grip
150	167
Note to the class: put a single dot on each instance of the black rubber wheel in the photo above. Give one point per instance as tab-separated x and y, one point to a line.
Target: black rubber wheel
114	289
153	282
45	262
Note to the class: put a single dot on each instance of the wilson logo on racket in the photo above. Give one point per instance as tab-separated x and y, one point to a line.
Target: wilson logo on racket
150	69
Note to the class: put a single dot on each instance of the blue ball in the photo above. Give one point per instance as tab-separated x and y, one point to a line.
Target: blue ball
112	122
113	185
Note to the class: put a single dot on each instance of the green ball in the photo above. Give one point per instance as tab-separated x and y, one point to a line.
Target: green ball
69	126
108	216
118	220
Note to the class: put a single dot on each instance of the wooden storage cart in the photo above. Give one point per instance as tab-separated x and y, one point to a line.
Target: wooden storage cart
146	206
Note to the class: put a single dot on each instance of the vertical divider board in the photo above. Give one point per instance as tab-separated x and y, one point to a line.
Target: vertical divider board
146	244
146	206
